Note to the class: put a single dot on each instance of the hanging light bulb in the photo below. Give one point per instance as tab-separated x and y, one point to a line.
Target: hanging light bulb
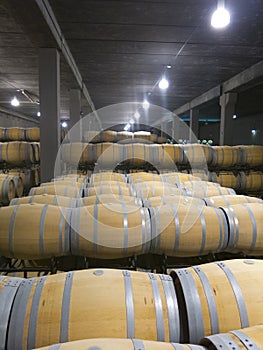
221	17
14	102
38	114
64	124
146	104
137	115
163	84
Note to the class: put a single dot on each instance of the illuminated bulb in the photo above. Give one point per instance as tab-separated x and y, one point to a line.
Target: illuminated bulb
131	121
146	104
38	114
137	115
168	66
64	124
163	84
14	102
253	132
221	17
234	116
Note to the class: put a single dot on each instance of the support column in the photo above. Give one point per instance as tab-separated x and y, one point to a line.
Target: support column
75	106
194	125
49	90
228	106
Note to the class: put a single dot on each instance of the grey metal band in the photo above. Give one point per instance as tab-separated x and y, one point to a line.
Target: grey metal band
153	228
11	230
65	191
158	222
172	308
193	305
138	344
67	231
238	294
177	229
158	307
74	231
231	228
125	230
245	340
254	227
18	315
129	304
7	296
210	299
32	328
144	233
195	347
64	325
236	227
227	201
148	230
61	221
177	346
226	236
95	229
41	230
203	223
220	244
221	342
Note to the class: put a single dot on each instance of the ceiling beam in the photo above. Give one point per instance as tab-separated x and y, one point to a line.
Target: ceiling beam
18	115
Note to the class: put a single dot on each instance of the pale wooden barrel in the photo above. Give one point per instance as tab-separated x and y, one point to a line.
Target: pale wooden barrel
61	201
7	190
109	231
108	154
161	139
242	339
153	138
34	231
124	136
229	200
228	179
143	176
72	178
136	154
109	183
154	188
59	190
252	155
209	191
121	344
33	134
65	183
36	151
225	156
108	136
17	153
15	134
187	230
27	175
196	154
91	304
252	181
106	176
8	290
107	189
142	136
2	134
172	199
219	297
18	183
92	136
109	198
76	153
170	155
177	178
245	228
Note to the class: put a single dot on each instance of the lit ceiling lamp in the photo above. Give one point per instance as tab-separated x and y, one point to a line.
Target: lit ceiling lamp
234	116
15	102
64	124
38	114
146	104
163	83
221	17
137	115
127	127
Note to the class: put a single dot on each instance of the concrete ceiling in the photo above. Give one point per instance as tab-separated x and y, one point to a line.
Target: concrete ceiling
121	47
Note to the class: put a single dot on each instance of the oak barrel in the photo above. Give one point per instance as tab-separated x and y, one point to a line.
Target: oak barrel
61	201
7	190
33	134
229	200
60	190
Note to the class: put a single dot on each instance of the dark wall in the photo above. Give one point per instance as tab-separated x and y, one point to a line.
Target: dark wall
8	121
209	132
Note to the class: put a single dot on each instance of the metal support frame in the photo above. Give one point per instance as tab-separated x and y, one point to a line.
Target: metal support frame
228	105
194	125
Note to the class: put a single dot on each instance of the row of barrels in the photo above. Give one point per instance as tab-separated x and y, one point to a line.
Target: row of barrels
20	134
219	305
166	155
19	153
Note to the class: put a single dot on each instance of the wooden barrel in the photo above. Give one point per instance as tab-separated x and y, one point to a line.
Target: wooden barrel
70	306
76	153
108	155
252	155
187	230
142	136
106	189
72	178
245	228
27	175
154	188
219	297
243	339
46	199
2	134
15	134
229	200
176	178
161	139
196	154
143	176
7	190
18	182
200	174
106	176
109	231
170	155
34	231
58	190
252	181
8	290
17	153
109	183
225	156
209	191
65	183
193	184
36	151
172	199
32	134
109	198
108	136
136	154
124	136
121	344
153	138
92	136
228	179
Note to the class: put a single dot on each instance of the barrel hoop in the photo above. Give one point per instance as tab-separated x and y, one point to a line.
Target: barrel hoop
148	229
254	225
238	294
153	227
172	307
74	231
196	347
5	188
11	230
210	299
7	296
41	231
129	304
66	307
145	237
221	243
245	340
225	240
158	238
203	223
177	229
32	328
95	229
223	342
67	230
236	227
17	320
138	344
177	346
193	305
158	307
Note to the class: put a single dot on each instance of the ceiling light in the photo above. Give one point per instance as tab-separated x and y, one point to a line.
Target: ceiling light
64	124
253	131
146	104
38	114
163	84
168	66
131	121
127	127
137	115
14	102
234	116
221	17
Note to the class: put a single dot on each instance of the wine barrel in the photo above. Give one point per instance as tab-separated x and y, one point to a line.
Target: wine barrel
251	182
32	134
17	153
7	190
143	176
219	297
176	178
161	139
187	230
225	156
153	138
252	156
109	231
136	154
76	153
109	198
170	155
93	304
27	176
46	199
229	200
154	188
36	151
8	289
106	176
107	189
34	231
15	134
65	183
58	190
108	183
196	154
124	136
243	339
121	344
108	136
2	134
142	136
193	184
108	154
245	228
172	199
227	179
72	178
18	182
209	191
92	136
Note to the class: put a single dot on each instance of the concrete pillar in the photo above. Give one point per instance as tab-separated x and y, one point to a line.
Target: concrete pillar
75	106
228	104
194	125
49	90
